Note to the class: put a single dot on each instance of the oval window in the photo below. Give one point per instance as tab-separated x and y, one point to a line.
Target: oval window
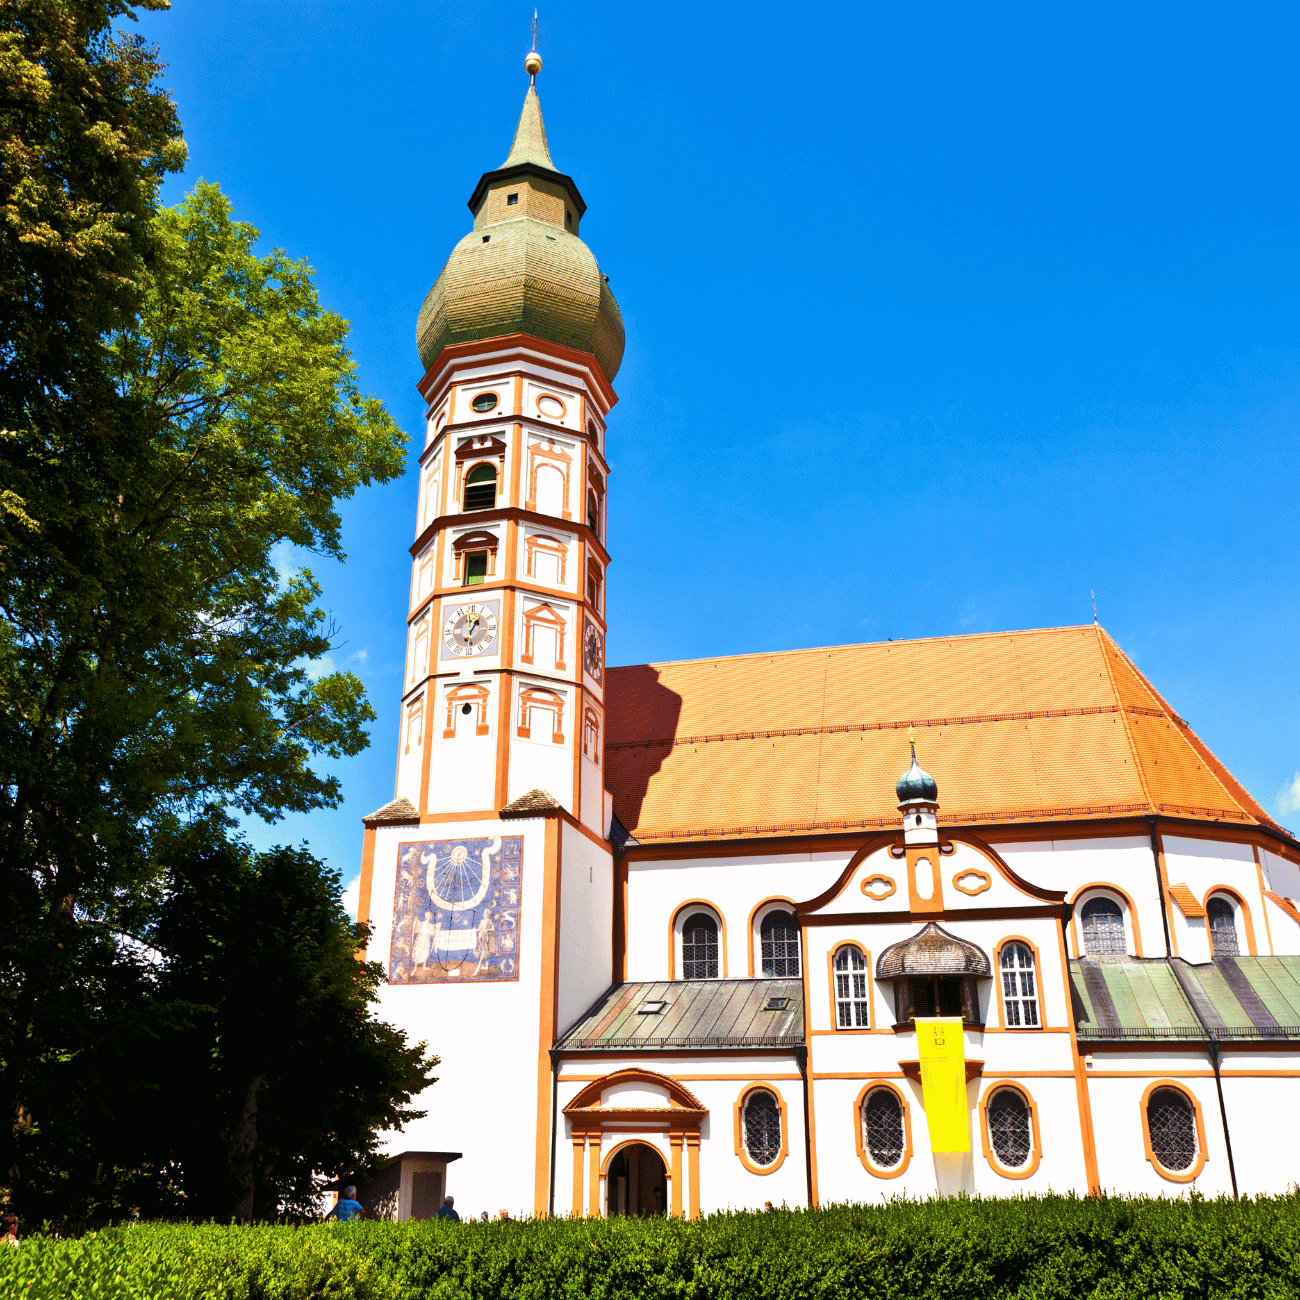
551	406
485	402
882	1127
1171	1123
1009	1128
761	1122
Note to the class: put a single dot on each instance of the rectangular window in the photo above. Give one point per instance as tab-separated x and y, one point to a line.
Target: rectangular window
512	198
475	568
936	995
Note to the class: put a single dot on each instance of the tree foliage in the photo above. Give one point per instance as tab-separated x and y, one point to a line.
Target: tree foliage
176	406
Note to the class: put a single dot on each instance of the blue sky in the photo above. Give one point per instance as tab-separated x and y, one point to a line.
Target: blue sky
938	317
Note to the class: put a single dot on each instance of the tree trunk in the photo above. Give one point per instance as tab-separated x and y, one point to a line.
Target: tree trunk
243	1143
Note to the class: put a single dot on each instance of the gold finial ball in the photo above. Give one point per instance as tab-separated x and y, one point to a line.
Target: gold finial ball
532	63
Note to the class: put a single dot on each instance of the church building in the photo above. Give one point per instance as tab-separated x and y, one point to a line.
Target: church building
681	933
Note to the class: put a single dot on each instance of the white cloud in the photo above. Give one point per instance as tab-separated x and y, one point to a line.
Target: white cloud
361	657
318	668
1289	800
282	558
352	897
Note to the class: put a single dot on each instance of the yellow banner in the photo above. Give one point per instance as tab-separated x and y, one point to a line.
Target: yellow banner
942	1049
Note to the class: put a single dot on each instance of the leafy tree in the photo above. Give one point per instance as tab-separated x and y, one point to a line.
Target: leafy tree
151	658
272	1066
86	136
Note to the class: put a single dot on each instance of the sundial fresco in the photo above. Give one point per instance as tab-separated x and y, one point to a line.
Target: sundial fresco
456	910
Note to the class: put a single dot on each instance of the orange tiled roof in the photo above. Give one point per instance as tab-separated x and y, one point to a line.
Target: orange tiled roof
1048	725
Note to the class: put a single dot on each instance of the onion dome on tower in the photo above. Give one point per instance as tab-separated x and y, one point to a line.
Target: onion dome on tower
523	269
916	786
918	801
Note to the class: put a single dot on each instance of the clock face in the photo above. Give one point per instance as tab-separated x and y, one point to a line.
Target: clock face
593	651
469	630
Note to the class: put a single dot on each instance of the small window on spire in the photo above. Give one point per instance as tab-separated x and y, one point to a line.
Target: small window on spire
511	198
568	219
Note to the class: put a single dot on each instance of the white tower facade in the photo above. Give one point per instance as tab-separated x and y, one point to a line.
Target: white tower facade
488	880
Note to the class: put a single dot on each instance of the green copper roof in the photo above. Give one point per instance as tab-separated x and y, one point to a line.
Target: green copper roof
1168	998
692	1014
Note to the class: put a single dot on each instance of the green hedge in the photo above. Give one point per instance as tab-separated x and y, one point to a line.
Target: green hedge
1046	1247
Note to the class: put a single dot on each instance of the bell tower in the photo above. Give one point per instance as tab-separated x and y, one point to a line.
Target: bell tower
520	338
488	879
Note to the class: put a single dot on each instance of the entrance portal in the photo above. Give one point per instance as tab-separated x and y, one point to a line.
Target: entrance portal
637	1182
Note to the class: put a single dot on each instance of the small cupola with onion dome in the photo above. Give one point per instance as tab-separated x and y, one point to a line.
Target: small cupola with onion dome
918	801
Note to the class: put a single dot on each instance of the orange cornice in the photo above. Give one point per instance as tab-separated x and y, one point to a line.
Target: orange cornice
512	514
515	347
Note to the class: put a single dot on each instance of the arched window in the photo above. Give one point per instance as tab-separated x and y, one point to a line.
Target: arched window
593	513
1223	927
882	1128
481	488
1171	1124
779	940
852	1007
761	1123
1010	1134
1019	989
700	947
1103	928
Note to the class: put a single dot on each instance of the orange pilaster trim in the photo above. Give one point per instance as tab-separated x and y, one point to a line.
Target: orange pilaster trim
676	1139
593	1176
1090	1168
579	1150
693	1163
550	974
367	875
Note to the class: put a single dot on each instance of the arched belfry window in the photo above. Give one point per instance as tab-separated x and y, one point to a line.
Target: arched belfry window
700	947
779	942
1223	927
481	488
1103	928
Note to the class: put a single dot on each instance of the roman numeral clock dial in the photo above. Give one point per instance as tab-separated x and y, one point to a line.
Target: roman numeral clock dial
469	630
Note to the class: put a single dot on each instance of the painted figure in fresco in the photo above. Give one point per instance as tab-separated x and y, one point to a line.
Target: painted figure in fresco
454	915
422	940
485	945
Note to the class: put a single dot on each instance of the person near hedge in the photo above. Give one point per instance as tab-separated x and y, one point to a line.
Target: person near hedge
447	1212
10	1223
348	1207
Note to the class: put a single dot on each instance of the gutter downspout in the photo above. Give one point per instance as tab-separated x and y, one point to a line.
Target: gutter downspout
555	1098
1212	1049
1152	824
801	1055
1223	1115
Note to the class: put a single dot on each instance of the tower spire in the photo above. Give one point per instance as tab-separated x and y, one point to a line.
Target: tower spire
529	144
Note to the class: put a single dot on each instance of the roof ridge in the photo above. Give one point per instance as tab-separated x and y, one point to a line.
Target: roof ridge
1124	722
1190	738
855	645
